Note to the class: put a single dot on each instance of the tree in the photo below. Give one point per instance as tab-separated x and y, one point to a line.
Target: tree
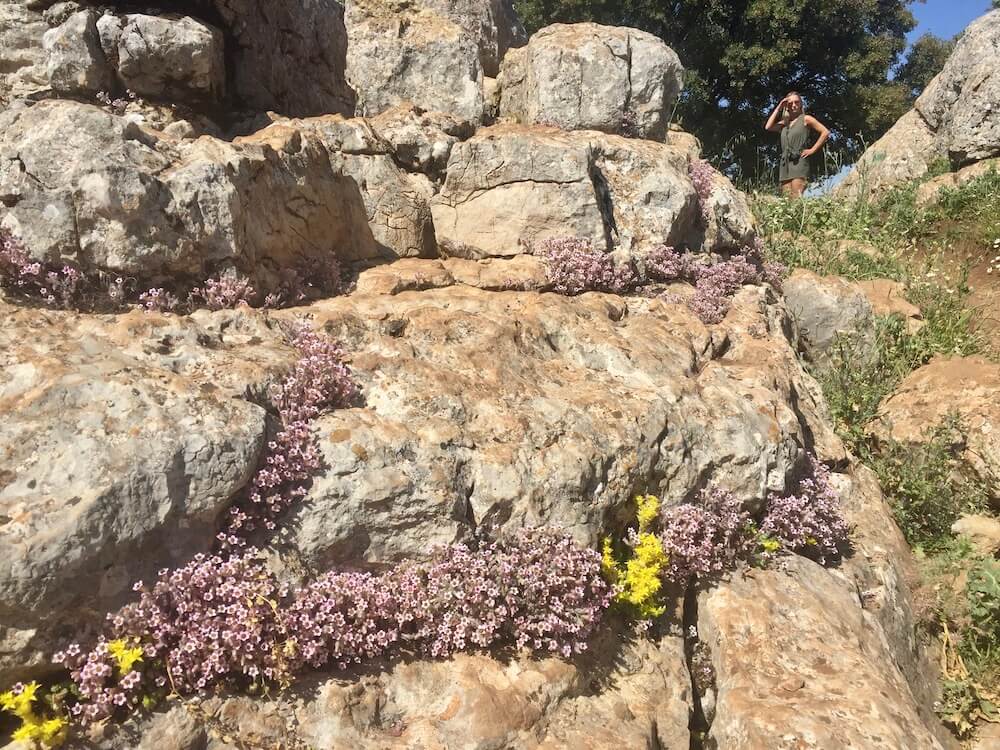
927	56
742	56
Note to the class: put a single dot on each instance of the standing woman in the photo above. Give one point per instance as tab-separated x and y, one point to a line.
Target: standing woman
794	126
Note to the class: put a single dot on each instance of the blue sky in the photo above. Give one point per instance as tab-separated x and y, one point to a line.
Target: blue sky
946	17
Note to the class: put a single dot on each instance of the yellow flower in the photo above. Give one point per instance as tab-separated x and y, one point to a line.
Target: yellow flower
124	656
649	507
639	579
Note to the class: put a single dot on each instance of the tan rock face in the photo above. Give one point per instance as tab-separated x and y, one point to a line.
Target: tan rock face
982	531
591	77
968	386
121	441
22	57
888	297
799	665
929	192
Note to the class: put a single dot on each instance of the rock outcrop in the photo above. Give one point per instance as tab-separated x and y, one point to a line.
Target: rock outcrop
591	77
84	186
828	309
955	118
967	387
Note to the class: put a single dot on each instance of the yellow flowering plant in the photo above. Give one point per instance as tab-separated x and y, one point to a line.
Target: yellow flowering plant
638	579
20	702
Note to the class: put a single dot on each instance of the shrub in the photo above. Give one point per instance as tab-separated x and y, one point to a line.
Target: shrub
707	538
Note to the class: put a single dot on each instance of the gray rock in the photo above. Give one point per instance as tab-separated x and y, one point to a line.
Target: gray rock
962	104
78	184
76	62
289	55
421	141
510	187
400	52
22	58
591	77
171	57
493	23
828	309
116	462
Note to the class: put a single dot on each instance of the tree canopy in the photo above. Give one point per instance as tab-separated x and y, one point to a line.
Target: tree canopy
742	56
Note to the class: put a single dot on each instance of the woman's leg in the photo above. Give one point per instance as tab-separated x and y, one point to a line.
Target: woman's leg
798	187
786	188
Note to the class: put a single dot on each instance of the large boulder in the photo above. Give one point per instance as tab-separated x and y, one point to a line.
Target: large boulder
903	154
397	203
122	440
421	141
83	186
511	186
962	104
591	77
404	52
76	63
166	57
829	309
288	55
494	24
621	396
788	645
957	117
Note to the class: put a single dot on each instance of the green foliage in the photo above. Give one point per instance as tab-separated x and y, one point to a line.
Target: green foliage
982	642
976	205
926	486
963	706
744	56
926	59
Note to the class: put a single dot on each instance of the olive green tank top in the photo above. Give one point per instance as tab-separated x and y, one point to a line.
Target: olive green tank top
793	142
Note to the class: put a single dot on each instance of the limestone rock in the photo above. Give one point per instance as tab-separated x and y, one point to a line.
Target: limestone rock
591	77
22	57
172	58
929	192
396	203
962	104
982	531
622	394
901	155
731	224
76	62
788	645
78	184
509	186
826	308
289	56
122	439
403	52
968	386
494	24
421	141
956	117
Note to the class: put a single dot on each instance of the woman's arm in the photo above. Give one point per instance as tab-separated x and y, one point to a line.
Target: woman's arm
820	128
772	124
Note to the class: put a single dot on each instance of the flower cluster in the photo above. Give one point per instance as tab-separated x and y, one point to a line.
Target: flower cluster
705	538
716	283
574	266
225	292
52	284
664	263
20	702
702	176
226	620
66	287
208	620
319	380
809	521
